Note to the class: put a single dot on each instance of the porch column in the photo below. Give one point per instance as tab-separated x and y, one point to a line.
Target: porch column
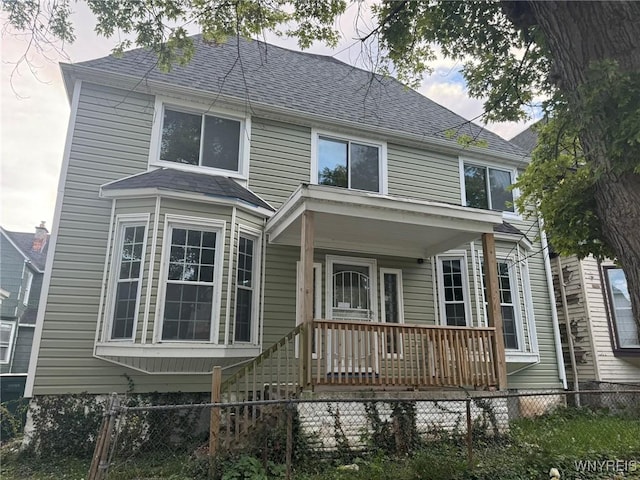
493	306
306	261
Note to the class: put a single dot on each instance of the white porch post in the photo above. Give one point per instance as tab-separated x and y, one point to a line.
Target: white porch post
306	261
493	306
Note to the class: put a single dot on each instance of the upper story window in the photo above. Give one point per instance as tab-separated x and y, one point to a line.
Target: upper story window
349	163
487	187
622	320
190	138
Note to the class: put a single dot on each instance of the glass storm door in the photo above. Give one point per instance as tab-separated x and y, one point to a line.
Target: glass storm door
352	299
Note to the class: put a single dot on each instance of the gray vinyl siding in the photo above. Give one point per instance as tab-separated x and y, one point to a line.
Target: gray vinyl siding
280	159
22	350
578	314
110	141
11	278
416	173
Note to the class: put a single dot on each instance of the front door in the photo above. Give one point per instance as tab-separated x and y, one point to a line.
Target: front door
352	298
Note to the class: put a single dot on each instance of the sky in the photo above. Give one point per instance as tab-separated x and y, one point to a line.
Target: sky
34	112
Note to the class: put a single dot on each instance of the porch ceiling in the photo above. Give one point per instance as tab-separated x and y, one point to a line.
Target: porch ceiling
378	224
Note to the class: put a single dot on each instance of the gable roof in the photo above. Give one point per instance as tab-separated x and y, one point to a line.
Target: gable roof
23	242
306	83
527	140
180	181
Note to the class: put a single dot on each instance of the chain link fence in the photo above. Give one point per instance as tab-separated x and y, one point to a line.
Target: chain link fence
279	439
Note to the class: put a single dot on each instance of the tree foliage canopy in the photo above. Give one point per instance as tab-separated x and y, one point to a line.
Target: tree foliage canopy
582	58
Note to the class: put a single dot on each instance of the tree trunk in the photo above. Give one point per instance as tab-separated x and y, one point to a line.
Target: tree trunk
577	35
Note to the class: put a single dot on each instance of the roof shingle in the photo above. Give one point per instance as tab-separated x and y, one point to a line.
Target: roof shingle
191	182
306	83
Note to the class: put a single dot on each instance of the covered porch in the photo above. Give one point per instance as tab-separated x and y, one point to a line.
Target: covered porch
354	346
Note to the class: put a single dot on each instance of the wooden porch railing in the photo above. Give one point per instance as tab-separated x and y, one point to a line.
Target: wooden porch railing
348	353
271	375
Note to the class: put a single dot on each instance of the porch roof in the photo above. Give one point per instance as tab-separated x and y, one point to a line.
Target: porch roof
378	224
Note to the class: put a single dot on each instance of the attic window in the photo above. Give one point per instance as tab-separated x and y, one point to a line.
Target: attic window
201	140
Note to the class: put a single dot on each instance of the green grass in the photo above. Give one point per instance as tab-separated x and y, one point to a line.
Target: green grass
527	452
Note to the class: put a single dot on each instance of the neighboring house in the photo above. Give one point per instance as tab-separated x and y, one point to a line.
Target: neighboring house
594	297
22	262
188	199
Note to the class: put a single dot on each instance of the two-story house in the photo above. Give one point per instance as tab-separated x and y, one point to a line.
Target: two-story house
259	196
22	261
601	340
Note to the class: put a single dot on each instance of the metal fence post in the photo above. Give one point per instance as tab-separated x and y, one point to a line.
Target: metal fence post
289	453
469	434
99	464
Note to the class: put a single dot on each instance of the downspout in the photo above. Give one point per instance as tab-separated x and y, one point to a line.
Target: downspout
565	311
562	375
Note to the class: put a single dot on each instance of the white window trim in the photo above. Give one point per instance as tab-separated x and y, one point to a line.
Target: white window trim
400	294
183	221
11	338
121	222
453	254
27	288
515	292
382	165
357	261
317	314
483	163
256	236
200	109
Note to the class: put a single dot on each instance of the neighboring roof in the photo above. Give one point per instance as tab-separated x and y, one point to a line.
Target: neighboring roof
23	243
308	83
191	182
527	140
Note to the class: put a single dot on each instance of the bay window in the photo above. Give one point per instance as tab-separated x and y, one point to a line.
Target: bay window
246	291
453	290
7	330
129	259
191	283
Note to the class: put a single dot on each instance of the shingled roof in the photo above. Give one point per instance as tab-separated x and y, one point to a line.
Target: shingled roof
181	181
24	243
527	139
305	83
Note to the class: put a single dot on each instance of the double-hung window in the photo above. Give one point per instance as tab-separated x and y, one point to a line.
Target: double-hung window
350	164
508	303
191	282
246	291
622	320
488	187
129	257
6	340
206	140
453	289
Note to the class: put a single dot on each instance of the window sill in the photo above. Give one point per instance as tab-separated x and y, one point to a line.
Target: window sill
521	357
176	350
627	352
